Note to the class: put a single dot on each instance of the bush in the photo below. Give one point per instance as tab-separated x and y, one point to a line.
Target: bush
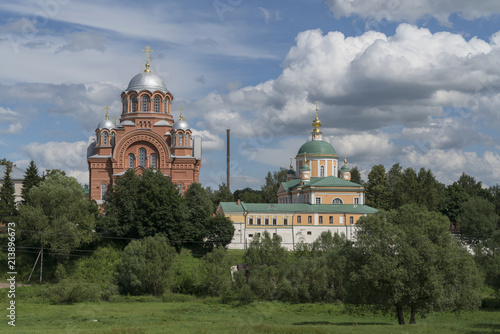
69	292
144	266
186	273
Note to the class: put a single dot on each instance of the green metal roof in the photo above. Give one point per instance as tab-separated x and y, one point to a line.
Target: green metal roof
327	182
315	147
296	208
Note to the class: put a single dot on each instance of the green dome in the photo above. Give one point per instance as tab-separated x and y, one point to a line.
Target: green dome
291	171
305	167
315	147
345	169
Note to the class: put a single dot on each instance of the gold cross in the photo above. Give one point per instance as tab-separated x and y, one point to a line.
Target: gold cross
114	118
182	117
107	109
316	105
147	50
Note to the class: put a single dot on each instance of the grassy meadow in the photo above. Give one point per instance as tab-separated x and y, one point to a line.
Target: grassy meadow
187	314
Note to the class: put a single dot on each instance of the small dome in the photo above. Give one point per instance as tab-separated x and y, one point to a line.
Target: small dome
147	81
291	172
106	124
181	125
316	147
345	168
305	167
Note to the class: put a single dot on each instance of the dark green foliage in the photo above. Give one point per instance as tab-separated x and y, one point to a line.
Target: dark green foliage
31	179
407	261
186	273
50	172
273	182
144	205
216	274
356	175
199	212
249	195
223	194
477	221
455	198
219	231
144	266
377	191
473	187
7	198
58	216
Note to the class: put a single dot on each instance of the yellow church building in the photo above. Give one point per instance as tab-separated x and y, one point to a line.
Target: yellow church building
310	202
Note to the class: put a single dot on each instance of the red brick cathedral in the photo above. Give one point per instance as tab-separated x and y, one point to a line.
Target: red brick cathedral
146	137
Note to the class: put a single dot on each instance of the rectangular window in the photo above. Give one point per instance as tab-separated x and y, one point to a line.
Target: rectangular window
266	221
299	219
258	221
351	220
331	220
309	233
285	221
356	200
309	219
275	221
321	219
250	221
250	235
318	200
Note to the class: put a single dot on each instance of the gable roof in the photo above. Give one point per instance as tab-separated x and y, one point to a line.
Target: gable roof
15	175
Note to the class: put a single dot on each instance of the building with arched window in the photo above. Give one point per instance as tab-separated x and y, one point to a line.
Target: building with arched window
144	137
319	197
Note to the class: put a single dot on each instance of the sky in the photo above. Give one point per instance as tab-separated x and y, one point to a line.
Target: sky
415	82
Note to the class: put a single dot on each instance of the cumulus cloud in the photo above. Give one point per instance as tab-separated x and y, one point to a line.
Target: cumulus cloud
69	157
10	121
413	10
210	141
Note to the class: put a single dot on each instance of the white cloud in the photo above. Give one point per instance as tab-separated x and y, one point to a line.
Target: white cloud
12	119
413	10
210	141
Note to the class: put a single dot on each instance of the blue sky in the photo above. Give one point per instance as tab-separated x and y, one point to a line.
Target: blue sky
409	81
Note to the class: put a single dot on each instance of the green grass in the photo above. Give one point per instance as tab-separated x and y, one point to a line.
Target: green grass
191	315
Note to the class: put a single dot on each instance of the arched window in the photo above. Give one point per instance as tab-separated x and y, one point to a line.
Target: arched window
157	104
142	157
145	102
179	187
166	106
322	171
112	139
105	138
130	160
99	138
337	201
125	105
104	191
134	103
153	160
181	138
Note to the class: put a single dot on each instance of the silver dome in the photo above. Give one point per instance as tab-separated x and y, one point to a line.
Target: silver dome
180	125
106	124
147	81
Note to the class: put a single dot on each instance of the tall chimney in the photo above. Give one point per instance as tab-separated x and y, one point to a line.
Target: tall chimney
228	158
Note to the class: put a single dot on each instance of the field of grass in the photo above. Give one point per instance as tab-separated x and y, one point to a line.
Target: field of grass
185	314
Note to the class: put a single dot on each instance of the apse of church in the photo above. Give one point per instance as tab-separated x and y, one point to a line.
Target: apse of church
146	136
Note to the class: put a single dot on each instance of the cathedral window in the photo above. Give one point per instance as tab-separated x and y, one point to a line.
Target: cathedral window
142	157
134	103
104	191
125	105
157	104
337	201
130	160
166	106
145	102
105	138
179	187
181	139
98	139
153	160
322	171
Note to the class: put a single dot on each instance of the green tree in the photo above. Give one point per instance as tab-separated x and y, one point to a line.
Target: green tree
199	211
477	220
455	198
249	195
272	185
216	272
49	172
58	216
405	189
377	191
356	175
219	231
473	187
430	192
139	206
7	197
407	261
223	194
31	179
144	266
